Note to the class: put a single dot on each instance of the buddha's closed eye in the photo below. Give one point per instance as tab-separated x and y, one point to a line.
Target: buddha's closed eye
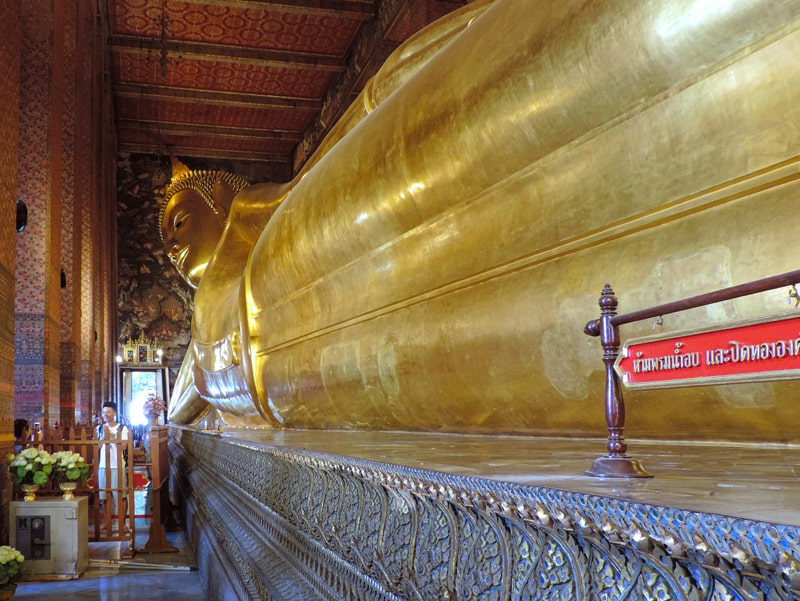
180	219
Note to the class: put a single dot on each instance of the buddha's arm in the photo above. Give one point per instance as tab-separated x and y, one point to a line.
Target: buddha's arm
186	405
215	351
219	288
219	370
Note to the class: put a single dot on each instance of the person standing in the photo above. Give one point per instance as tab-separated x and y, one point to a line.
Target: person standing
22	433
111	468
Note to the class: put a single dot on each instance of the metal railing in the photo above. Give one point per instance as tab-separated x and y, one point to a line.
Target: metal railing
616	463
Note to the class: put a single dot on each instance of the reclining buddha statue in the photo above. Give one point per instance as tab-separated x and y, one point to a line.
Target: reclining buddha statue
433	263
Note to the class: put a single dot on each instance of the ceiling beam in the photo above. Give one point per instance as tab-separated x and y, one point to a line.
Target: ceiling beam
160	93
231	54
360	9
215	131
279	162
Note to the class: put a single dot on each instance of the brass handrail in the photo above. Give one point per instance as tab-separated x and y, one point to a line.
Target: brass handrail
617	464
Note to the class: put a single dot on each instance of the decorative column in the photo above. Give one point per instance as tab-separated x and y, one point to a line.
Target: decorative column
9	117
37	312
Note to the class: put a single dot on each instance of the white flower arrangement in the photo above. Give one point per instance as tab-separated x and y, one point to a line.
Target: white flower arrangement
71	467
31	466
11	562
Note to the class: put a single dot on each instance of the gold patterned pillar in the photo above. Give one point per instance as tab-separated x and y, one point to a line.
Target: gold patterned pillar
63	312
66	20
76	21
9	114
101	218
87	233
37	312
84	256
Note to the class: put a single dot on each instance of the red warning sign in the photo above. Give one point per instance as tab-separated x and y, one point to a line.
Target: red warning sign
750	352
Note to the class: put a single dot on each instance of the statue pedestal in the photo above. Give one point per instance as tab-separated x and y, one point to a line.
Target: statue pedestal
388	515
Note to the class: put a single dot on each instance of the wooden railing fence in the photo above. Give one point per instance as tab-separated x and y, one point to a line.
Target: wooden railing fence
105	525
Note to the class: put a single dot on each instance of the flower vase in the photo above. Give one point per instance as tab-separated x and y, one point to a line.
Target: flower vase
30	491
146	443
68	488
153	420
7	592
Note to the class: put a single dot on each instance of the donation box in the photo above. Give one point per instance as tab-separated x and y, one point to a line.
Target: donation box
52	535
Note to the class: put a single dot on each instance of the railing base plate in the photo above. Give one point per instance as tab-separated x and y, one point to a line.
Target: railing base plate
610	466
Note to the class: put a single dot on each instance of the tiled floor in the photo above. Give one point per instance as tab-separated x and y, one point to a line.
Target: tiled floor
151	576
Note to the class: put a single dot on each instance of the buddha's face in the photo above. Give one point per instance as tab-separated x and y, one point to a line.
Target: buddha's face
191	230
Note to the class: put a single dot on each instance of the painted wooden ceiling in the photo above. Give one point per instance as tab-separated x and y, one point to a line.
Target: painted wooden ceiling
246	80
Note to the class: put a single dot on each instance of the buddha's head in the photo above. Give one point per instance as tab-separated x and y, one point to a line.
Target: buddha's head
193	216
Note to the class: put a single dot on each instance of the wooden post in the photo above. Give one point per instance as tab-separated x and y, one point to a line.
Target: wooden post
157	542
616	464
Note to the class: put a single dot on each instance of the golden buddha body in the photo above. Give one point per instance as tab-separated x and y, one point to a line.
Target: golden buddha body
432	266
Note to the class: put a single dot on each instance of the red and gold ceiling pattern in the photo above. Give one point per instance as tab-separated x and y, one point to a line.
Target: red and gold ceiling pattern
262	146
257	26
153	110
223	76
247	79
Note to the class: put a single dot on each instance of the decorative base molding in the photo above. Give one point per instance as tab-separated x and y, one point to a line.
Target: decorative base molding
272	523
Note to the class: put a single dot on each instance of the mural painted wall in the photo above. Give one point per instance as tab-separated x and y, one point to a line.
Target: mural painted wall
153	300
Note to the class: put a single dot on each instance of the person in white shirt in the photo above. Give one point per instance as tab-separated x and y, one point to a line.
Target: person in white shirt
112	459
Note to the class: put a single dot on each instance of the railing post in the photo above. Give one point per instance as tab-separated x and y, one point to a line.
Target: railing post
616	464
